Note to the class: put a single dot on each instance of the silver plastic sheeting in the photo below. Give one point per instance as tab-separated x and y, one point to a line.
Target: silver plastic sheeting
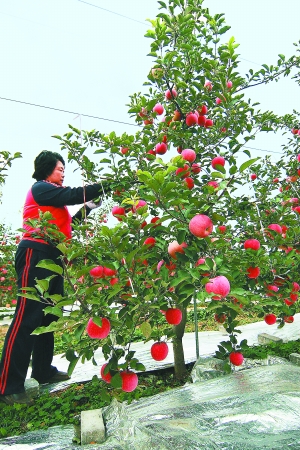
250	409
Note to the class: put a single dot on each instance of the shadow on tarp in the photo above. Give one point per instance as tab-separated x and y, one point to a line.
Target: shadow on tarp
251	409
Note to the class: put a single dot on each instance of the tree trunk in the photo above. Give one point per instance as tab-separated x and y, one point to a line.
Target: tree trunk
179	363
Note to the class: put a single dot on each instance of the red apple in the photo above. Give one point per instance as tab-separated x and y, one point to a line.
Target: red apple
124	150
253	272
174	248
220	318
253	176
96	332
97	272
218	161
129	380
275	227
202	121
191	119
170	94
138	205
229	84
201	226
254	244
208	85
161	148
218	285
214	184
196	168
150	241
173	316
189	155
222	229
209	123
202	110
107	272
158	109
159	351
218	101
118	211
270	319
105	377
288	319
183	172
236	358
189	182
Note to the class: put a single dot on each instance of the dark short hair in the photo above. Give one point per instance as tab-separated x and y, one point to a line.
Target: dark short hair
45	163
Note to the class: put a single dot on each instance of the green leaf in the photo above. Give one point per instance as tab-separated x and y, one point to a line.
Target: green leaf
116	381
146	329
50	265
247	164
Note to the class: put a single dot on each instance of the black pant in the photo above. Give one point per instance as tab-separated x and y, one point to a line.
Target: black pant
19	343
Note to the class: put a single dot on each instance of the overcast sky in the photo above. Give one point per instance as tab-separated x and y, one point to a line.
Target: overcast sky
85	59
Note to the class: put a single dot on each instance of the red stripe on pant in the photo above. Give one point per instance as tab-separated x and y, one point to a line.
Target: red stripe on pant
18	320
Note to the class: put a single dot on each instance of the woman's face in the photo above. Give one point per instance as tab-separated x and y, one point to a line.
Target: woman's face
58	174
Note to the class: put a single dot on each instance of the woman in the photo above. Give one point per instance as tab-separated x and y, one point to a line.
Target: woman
47	194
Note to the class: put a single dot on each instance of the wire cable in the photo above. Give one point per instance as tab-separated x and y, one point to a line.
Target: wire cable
69	112
112	12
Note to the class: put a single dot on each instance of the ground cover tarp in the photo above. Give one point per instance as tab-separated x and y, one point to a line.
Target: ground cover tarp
250	409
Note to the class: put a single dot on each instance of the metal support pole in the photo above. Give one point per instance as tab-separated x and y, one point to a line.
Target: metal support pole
196	327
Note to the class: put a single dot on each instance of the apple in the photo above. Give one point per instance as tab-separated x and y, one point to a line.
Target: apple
195	168
270	319
191	119
236	358
296	287
275	227
183	172
294	130
107	272
202	121
202	110
159	351
189	182
177	116
218	161
143	112
208	123
154	220
124	150
170	94
97	272
150	241
222	229
223	130
161	148
157	72
218	285
173	316
214	184
229	84
105	377
253	176
218	100
208	85
138	205
189	155
129	380
158	109
148	122
118	211
96	332
220	318
253	272
174	248
254	244
201	226
179	149
276	180
288	319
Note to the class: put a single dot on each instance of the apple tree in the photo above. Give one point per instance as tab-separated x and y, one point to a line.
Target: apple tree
196	219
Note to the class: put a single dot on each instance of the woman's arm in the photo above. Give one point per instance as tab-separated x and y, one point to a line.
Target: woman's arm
48	194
